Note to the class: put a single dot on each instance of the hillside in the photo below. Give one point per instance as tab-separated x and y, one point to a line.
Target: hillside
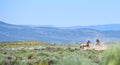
10	32
111	27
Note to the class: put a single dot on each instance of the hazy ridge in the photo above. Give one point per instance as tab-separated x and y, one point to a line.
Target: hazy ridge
10	32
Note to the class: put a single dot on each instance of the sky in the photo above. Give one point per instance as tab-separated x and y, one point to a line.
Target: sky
60	13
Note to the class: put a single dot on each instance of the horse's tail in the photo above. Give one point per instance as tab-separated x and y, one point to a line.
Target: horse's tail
80	46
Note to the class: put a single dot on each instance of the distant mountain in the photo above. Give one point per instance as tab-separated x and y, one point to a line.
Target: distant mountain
111	27
10	32
2	23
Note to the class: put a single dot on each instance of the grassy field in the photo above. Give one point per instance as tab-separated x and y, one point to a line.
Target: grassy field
39	53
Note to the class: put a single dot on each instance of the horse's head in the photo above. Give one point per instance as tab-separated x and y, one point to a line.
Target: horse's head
97	40
88	42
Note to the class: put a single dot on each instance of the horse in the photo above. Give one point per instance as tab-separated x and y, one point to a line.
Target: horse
99	46
86	45
98	43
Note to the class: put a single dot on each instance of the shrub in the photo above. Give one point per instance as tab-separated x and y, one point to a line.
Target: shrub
111	56
75	60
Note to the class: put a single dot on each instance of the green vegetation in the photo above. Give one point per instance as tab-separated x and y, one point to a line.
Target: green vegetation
111	56
39	53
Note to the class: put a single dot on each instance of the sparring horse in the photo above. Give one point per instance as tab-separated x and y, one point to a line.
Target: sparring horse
85	45
98	43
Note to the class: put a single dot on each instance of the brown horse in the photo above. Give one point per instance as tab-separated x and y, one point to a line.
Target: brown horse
85	45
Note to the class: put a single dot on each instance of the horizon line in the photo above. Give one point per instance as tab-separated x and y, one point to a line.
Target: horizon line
59	26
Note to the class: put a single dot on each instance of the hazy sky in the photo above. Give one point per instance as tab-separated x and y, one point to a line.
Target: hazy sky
60	13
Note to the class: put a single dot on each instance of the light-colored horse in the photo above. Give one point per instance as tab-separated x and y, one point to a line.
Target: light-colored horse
99	46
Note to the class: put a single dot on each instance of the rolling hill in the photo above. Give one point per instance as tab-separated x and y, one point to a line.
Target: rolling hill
10	32
111	27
